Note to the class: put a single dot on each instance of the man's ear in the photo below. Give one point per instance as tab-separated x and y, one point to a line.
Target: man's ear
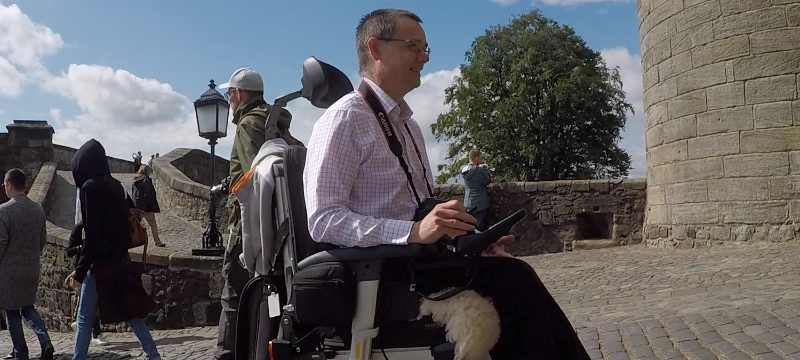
372	46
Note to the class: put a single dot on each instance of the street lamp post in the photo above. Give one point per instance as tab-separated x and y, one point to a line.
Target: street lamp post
211	110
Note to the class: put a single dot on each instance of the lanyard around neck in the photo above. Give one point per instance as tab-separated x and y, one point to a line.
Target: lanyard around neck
388	130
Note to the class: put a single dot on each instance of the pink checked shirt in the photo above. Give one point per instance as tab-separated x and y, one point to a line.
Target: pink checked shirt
355	190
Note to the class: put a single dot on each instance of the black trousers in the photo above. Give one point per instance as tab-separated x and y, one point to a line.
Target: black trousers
235	277
533	326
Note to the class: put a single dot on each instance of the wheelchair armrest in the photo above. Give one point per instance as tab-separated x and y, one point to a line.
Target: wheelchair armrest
378	252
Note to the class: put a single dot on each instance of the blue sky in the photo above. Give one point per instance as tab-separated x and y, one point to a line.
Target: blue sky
125	72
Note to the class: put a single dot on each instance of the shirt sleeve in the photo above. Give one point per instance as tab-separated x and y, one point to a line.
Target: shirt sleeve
332	165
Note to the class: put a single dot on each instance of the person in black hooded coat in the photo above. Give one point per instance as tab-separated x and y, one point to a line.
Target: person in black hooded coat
104	271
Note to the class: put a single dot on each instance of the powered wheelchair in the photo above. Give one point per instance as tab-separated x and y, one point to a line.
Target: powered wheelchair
325	302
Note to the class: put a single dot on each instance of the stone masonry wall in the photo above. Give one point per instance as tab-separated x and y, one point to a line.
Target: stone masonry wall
722	120
63	156
567	214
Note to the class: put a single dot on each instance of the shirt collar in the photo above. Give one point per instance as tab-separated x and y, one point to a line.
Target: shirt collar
389	104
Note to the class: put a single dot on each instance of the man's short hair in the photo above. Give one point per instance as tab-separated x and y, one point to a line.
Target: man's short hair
379	24
474	153
17	178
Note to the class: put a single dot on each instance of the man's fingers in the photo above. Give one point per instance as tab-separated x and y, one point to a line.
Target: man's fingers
452	204
456	215
452	223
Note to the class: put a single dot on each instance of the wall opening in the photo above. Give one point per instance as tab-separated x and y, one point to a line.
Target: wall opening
594	226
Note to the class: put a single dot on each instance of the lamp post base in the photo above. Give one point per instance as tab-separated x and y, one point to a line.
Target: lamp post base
218	251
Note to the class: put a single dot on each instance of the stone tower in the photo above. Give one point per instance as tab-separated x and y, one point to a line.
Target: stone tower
722	113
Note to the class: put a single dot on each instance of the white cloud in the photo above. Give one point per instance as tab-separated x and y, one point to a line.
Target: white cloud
630	68
11	80
505	2
572	3
23	44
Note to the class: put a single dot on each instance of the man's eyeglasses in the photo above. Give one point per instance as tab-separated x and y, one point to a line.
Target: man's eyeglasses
229	93
414	45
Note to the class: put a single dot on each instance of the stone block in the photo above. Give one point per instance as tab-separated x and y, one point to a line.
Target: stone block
679	129
686	192
793	15
738	189
749	22
701	77
656	195
730	7
749	212
784	188
701	13
713	145
784	2
774	40
687	104
654	136
729	70
656	114
656	54
720	50
690	38
794	162
772	115
770	140
663	12
794	210
796	106
700	169
660	92
677	64
775	88
667	153
726	95
659	32
754	165
737	118
662	174
769	64
658	214
695	213
650	77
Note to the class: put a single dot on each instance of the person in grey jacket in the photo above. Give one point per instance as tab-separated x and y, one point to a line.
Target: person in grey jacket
23	234
476	196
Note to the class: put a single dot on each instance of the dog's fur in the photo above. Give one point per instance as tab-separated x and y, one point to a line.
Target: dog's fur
471	322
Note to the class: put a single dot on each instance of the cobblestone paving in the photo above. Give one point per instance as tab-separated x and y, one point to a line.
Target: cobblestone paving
625	303
175	232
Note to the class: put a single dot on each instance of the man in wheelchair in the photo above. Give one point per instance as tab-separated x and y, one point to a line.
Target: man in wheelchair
367	178
362	250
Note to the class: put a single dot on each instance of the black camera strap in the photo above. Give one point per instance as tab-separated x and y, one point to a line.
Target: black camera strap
388	130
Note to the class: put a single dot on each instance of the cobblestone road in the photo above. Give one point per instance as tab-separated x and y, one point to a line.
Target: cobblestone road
175	232
626	303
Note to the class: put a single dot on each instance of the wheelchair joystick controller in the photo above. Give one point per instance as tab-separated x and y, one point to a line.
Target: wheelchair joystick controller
474	243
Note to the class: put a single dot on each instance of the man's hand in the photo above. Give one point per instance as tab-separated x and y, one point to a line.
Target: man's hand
75	284
485	166
450	218
498	249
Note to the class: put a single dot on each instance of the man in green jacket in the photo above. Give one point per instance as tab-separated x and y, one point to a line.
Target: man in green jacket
245	94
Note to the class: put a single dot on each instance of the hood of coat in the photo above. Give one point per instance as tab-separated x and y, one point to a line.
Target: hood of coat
89	162
270	147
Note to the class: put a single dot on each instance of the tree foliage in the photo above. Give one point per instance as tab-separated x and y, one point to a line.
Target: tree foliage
538	103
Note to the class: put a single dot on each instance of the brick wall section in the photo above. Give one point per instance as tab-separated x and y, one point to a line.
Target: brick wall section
554	208
722	112
63	156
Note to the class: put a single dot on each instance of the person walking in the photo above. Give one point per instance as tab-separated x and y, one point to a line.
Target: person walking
144	197
104	273
23	234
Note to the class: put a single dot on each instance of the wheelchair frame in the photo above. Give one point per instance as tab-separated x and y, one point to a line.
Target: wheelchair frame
366	264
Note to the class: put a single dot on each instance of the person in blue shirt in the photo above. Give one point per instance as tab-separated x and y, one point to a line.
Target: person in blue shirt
476	195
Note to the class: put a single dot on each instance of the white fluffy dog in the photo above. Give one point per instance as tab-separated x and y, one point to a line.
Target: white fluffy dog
471	322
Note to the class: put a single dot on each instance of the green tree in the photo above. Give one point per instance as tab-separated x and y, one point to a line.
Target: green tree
538	103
